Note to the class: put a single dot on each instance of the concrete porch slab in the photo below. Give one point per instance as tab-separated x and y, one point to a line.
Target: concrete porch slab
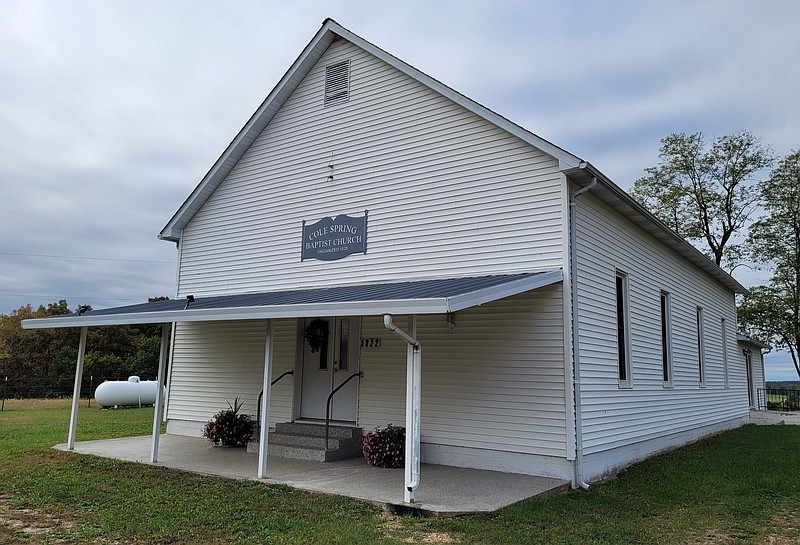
444	490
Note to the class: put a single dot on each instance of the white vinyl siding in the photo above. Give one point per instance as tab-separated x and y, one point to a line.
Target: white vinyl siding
614	417
759	380
447	192
214	362
495	382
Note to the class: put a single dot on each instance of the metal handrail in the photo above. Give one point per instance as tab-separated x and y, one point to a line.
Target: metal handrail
261	395
328	404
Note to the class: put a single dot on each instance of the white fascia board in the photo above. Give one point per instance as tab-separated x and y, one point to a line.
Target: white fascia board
299	69
566	159
501	291
247	135
355	308
744	339
623	203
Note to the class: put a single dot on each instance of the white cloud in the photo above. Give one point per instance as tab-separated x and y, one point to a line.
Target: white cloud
113	111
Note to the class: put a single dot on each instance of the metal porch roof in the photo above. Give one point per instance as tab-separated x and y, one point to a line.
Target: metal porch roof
436	296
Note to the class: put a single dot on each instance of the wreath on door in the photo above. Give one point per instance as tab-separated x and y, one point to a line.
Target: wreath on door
316	334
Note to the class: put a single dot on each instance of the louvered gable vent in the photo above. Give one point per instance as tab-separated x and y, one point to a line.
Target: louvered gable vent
337	83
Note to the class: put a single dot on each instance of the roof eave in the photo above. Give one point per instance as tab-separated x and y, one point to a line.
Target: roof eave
619	200
172	231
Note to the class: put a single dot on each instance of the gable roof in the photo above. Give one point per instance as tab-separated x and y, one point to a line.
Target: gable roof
573	166
297	72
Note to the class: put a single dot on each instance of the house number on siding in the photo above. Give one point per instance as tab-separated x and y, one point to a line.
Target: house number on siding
334	238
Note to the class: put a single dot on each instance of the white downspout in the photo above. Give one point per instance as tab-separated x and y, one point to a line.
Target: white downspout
413	402
573	279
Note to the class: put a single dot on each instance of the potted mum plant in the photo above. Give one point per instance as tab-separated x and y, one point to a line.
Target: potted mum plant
229	427
385	447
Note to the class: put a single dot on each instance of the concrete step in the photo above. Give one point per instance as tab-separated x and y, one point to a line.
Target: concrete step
310	428
316	441
306	441
310	453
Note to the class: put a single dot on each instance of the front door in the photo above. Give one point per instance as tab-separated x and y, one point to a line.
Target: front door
327	364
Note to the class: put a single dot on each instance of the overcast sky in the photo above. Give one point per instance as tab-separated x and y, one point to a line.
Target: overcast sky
111	112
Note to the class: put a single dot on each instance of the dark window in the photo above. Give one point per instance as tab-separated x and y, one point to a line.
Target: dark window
666	334
622	329
701	364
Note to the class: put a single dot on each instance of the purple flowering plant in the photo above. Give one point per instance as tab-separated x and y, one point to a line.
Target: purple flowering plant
385	447
229	427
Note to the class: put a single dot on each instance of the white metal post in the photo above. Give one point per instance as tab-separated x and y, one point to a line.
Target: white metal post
267	387
413	402
76	393
159	406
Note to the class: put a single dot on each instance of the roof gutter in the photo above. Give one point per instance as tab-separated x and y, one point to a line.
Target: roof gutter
613	195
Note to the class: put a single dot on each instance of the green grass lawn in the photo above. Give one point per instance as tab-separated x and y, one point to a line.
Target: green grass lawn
739	487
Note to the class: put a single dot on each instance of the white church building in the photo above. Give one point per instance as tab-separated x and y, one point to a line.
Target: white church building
504	299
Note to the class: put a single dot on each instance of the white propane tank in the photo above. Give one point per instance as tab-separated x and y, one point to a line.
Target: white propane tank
113	393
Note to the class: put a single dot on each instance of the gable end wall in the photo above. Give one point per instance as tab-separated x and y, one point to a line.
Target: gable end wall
447	192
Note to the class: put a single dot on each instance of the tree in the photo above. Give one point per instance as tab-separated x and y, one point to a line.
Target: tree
705	196
773	310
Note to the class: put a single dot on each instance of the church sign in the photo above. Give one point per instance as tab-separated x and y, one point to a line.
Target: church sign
334	238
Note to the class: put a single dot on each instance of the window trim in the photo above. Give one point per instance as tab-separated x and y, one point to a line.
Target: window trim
623	325
725	366
667	374
701	348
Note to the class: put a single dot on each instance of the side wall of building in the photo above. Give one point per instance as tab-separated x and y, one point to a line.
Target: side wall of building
623	423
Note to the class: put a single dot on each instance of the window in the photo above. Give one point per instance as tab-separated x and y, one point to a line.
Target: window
337	83
623	329
701	360
724	338
666	340
344	344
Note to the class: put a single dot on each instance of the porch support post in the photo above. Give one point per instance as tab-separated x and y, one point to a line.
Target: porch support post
76	392
267	387
159	407
413	402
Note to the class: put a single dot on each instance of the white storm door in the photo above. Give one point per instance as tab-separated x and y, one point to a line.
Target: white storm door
327	368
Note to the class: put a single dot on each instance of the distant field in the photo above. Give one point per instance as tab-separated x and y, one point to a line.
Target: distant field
739	487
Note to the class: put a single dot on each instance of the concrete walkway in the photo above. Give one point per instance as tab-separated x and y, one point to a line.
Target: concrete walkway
443	490
772	418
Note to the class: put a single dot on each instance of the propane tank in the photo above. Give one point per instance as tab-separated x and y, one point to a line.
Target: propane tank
131	392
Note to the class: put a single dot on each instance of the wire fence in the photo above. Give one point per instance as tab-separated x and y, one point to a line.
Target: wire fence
47	387
775	399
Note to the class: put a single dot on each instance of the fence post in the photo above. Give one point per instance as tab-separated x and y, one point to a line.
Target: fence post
5	387
91	377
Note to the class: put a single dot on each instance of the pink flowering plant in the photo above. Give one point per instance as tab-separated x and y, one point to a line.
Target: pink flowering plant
229	427
385	447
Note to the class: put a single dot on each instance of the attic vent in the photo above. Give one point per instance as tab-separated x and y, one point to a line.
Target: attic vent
337	82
